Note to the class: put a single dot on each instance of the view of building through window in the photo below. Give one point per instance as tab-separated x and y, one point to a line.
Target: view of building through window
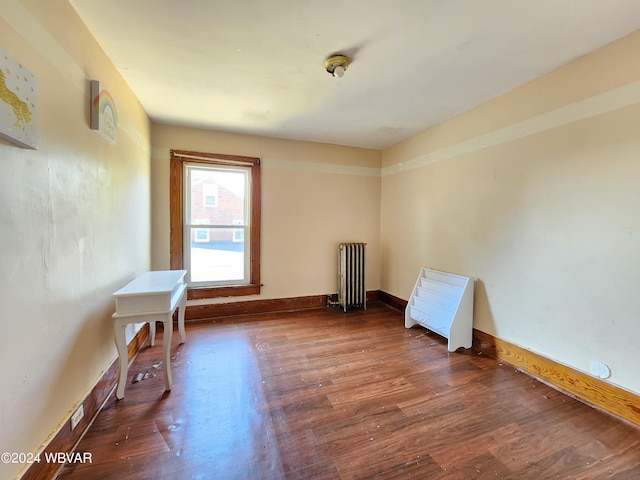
217	224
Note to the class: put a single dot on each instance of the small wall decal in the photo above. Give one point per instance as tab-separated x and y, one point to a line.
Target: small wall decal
104	118
18	103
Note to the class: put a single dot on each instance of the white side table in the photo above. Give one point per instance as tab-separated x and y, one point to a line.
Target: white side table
152	297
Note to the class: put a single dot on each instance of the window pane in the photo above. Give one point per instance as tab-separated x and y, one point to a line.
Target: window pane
218	197
216	255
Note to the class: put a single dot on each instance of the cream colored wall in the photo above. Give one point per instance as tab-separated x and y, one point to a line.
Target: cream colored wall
314	196
74	222
535	194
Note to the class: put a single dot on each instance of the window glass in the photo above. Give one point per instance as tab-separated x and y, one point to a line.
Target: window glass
216	206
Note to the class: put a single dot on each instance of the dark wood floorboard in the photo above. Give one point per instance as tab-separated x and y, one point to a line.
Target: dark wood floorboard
328	395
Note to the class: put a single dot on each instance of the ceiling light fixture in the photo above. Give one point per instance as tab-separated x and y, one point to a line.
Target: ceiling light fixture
336	65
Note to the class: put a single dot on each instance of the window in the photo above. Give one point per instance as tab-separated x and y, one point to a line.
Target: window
215	222
201	235
210	195
238	233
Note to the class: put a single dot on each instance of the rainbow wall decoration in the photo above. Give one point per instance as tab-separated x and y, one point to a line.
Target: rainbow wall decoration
104	118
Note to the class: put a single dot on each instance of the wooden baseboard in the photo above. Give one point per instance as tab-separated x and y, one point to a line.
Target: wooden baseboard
393	301
66	439
252	307
590	390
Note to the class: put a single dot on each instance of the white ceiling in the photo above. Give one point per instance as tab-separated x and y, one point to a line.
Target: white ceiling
257	66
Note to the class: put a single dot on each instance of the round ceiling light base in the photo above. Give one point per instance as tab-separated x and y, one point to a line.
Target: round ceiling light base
336	65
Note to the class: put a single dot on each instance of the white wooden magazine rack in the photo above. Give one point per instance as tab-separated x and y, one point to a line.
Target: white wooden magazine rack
443	303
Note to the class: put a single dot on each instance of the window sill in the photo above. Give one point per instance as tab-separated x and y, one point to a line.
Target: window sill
226	291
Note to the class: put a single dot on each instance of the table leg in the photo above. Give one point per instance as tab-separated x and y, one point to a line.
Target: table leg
152	332
181	311
166	350
123	359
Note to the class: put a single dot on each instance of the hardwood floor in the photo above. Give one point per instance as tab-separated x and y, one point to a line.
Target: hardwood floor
327	395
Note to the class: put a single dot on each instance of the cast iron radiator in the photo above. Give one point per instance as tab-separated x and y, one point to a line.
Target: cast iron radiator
352	292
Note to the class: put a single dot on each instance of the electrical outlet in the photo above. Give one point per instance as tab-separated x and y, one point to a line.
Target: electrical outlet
77	416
